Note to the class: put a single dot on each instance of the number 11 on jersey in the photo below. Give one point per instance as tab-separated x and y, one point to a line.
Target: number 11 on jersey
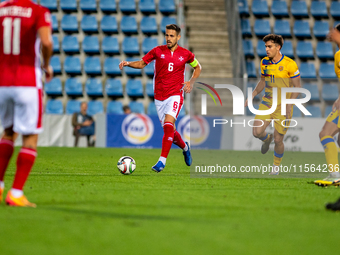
7	36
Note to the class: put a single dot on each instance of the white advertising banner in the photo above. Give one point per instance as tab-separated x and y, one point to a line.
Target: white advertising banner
303	137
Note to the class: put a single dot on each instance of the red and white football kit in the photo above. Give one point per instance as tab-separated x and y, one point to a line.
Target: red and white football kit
20	75
168	78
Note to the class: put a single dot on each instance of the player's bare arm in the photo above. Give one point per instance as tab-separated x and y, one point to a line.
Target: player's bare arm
45	35
258	89
188	85
134	64
297	84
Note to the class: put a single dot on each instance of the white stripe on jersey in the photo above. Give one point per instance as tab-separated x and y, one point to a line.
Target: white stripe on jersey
37	64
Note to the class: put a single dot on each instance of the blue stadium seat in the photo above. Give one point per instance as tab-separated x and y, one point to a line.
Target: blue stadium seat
70	44
94	87
318	9
69	24
299	9
111	66
88	6
301	29
260	8
108	6
130	45
56	45
307	70
127	6
89	24
54	88
149	89
147	6
287	49
243	8
54	106
248	48
114	107
321	29
52	5
261	49
56	65
72	65
73	87
167	6
134	88
182	112
328	110
109	25
72	106
314	110
335	10
245	27
279	9
131	71
95	107
110	45
261	27
68	5
54	23
148	44
296	112
251	70
282	27
149	69
148	25
128	25
314	91
136	107
304	50
114	88
330	92
152	110
91	45
167	21
324	50
92	66
326	71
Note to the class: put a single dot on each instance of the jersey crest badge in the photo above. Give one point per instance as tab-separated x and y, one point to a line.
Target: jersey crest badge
280	68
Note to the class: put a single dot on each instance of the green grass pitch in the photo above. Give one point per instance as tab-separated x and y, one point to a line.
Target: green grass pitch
85	206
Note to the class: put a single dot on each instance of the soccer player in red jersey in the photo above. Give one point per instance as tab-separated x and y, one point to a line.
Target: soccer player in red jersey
169	88
26	28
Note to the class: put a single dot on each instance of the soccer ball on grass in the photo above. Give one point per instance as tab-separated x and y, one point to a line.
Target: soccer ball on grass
126	165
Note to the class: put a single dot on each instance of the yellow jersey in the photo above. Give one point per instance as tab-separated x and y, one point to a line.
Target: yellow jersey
277	75
337	63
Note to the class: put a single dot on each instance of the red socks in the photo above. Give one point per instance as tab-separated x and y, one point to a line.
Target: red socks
178	140
167	138
25	162
6	152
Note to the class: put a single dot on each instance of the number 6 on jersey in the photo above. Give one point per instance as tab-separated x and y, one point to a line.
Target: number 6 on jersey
171	67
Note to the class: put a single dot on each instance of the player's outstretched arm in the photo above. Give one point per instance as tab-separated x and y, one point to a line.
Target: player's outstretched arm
188	85
135	64
259	87
45	35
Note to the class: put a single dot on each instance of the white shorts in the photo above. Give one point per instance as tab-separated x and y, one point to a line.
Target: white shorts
172	106
21	107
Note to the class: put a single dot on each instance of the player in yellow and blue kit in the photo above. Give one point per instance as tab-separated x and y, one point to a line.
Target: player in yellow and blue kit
277	71
332	125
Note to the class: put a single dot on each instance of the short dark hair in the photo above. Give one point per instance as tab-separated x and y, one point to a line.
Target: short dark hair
126	107
337	27
174	27
275	38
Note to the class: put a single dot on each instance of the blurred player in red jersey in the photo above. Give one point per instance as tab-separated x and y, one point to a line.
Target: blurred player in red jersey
169	88
26	28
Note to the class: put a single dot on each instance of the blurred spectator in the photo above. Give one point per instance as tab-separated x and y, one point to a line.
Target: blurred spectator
126	109
83	125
